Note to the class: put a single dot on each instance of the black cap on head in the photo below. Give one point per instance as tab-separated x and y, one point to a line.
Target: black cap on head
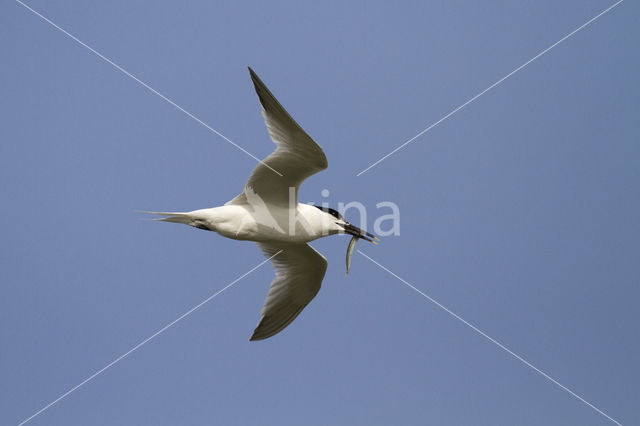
331	211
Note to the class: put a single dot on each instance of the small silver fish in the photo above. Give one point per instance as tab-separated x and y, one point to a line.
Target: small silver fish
350	248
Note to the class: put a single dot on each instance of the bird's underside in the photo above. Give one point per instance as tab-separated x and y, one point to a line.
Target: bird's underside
262	212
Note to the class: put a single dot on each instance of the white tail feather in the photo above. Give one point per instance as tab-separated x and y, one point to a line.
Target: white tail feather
176	217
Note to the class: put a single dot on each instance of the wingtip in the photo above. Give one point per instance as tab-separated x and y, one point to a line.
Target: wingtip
253	74
255	338
260	88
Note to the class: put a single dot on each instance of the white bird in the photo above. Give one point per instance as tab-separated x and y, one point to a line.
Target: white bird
268	212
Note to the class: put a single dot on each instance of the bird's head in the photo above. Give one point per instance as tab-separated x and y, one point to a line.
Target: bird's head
340	224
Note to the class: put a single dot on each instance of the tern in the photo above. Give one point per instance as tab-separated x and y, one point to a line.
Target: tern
268	213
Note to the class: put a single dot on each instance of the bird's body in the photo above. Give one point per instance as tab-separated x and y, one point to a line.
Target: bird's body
268	213
248	222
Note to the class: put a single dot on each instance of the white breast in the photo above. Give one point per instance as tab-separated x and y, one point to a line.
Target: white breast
270	224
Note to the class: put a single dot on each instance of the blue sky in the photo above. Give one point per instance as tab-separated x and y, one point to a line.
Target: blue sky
519	212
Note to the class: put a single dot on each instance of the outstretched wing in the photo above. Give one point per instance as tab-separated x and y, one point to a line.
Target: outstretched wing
296	157
299	273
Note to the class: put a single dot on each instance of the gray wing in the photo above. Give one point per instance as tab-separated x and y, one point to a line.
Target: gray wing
299	273
296	157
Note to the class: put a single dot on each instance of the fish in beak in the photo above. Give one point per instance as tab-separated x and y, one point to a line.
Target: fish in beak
357	234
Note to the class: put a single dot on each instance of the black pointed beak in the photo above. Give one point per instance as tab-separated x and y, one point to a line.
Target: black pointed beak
357	232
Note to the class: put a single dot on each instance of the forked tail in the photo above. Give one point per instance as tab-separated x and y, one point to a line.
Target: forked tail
176	217
190	218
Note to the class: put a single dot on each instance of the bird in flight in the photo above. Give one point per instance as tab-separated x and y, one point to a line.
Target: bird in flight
268	213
